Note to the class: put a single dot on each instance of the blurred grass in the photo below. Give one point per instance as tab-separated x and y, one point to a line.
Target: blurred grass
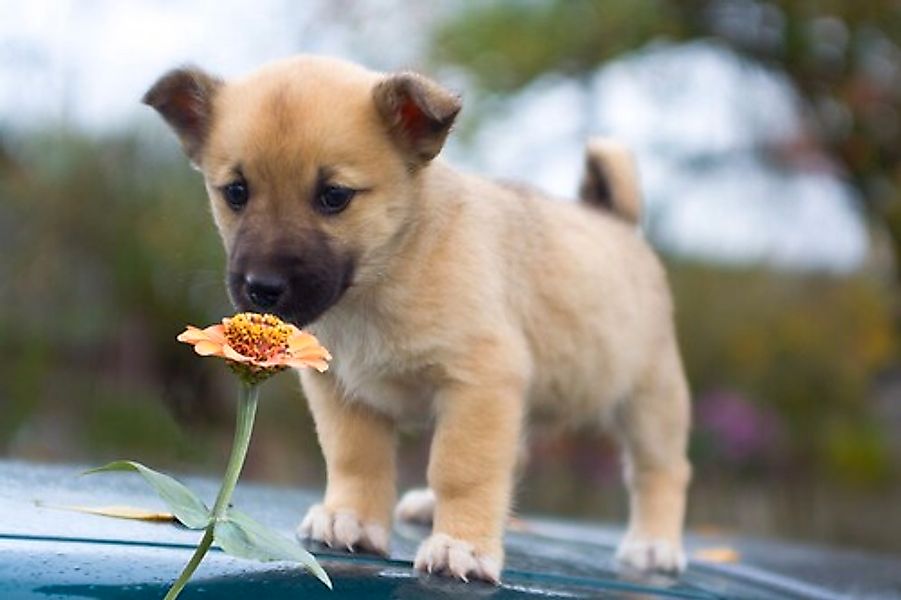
107	249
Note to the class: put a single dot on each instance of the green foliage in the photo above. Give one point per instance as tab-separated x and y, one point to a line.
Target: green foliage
507	44
106	250
241	536
184	504
235	532
151	428
856	452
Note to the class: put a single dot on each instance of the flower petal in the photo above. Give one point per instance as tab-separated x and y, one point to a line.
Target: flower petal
301	340
320	366
232	354
293	328
215	333
208	348
318	353
191	335
303	363
271	363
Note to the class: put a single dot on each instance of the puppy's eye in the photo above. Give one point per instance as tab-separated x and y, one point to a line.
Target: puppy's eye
236	194
334	198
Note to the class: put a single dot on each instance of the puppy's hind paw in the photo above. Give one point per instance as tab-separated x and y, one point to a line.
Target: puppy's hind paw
416	506
651	555
343	529
444	555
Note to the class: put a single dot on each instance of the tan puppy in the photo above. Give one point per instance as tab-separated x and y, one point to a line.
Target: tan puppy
440	295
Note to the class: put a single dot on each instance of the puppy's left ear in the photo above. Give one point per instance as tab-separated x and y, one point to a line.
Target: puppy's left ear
418	112
184	98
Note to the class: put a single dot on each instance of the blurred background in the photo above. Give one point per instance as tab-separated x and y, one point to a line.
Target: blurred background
768	135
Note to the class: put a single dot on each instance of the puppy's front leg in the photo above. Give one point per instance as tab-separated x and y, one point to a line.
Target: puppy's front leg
471	472
359	448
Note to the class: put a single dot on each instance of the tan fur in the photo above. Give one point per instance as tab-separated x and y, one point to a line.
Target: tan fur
610	180
472	303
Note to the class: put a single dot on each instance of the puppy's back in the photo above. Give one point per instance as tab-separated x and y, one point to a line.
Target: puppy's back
591	298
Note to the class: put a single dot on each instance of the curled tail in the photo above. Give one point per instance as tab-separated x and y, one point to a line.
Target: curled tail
610	181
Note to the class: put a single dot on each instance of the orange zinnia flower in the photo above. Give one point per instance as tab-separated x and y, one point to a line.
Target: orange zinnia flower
257	346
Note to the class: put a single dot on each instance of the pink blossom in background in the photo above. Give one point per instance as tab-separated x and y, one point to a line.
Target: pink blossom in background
742	430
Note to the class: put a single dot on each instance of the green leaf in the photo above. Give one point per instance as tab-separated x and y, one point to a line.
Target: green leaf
241	536
185	505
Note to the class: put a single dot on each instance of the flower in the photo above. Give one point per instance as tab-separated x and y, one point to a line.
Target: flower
257	346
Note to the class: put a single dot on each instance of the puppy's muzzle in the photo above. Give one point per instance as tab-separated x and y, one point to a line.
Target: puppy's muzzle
296	288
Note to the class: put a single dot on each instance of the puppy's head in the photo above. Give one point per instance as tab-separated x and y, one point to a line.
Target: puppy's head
312	168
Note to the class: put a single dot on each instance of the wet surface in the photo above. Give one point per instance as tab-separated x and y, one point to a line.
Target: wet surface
47	552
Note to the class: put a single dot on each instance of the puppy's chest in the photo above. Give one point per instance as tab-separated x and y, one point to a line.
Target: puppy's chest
376	366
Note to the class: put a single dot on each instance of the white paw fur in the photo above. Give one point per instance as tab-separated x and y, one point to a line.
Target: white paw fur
445	555
650	554
416	506
343	529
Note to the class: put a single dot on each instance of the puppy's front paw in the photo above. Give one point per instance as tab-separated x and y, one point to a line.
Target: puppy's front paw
416	506
445	555
343	529
650	554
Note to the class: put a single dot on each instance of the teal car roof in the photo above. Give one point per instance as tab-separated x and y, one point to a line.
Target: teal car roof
49	551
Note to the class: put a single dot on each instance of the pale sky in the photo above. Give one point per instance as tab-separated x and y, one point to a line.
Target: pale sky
87	63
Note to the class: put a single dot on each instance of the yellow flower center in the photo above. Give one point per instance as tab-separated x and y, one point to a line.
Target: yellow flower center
260	337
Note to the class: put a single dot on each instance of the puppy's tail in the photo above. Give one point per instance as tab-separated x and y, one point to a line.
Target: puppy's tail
610	181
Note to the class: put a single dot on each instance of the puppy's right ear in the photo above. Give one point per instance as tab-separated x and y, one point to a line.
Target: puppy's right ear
418	112
184	98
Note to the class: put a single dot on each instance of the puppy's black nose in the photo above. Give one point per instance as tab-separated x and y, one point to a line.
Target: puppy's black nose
264	290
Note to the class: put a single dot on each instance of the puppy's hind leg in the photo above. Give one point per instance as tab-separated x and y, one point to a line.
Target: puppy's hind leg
416	506
653	429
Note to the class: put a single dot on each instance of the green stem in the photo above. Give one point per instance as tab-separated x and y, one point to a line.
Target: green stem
192	565
247	410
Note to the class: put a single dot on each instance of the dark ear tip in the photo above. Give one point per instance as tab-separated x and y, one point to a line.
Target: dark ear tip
184	97
456	106
151	96
148	97
168	81
181	78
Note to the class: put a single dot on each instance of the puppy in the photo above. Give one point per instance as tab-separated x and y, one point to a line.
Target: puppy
441	295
